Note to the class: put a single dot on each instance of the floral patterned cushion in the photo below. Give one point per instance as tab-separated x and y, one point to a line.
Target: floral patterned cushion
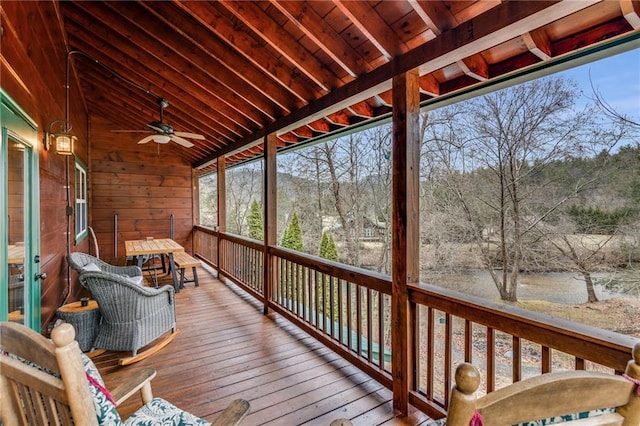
548	421
160	412
568	417
105	408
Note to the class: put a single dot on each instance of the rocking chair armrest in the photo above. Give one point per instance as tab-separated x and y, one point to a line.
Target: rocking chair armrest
233	414
140	381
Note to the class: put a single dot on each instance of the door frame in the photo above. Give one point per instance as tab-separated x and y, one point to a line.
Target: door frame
16	123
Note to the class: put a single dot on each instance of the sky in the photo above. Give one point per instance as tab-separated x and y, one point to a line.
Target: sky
617	78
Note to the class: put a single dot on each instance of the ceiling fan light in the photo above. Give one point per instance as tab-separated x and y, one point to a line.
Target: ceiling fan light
161	138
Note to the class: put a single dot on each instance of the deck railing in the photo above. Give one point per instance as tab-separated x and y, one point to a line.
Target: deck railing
348	309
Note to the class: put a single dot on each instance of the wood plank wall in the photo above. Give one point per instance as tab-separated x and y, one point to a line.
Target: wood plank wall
32	74
143	184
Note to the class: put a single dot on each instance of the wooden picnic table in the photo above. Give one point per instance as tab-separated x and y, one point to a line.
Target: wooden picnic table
151	246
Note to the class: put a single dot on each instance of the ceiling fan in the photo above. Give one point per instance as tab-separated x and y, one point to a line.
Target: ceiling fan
163	132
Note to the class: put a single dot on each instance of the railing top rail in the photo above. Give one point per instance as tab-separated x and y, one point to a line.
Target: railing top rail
370	279
239	239
601	346
205	229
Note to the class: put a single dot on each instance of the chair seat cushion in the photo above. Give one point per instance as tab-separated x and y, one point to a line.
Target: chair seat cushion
547	421
91	267
161	412
137	280
106	411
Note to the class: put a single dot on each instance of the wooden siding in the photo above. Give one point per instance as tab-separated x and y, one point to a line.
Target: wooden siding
33	75
143	184
227	349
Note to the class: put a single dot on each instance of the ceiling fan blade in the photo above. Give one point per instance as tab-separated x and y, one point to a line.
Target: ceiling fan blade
146	139
189	135
181	141
156	128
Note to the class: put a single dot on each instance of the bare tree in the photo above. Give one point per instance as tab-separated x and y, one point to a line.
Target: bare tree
244	184
509	138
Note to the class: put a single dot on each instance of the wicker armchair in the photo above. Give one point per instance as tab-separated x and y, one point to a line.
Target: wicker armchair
83	262
132	316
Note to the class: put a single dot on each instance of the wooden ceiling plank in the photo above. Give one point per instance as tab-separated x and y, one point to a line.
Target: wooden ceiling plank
361	109
631	12
367	20
339	118
321	126
244	45
188	59
303	132
437	17
288	137
270	32
475	67
160	83
184	24
314	27
538	43
118	26
429	85
125	99
386	98
502	23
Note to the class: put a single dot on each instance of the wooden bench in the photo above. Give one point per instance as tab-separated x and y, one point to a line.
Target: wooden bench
184	260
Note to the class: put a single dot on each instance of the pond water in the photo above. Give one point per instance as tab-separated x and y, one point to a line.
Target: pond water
556	287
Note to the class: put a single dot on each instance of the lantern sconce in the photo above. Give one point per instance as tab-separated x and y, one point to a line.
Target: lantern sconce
62	139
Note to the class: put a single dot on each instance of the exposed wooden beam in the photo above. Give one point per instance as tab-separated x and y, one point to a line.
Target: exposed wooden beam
475	67
153	35
242	43
498	25
538	43
367	20
331	43
221	56
278	39
221	125
437	17
127	99
631	12
147	47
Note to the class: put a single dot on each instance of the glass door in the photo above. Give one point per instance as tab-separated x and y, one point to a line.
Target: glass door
20	285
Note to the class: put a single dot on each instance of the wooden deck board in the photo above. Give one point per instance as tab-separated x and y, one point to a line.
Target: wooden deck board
227	350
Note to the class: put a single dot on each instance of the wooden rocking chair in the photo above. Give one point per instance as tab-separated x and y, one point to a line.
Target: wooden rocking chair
52	382
573	397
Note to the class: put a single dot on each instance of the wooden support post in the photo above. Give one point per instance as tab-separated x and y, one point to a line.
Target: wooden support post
270	216
406	232
222	207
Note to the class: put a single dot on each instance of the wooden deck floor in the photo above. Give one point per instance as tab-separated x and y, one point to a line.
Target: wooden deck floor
227	349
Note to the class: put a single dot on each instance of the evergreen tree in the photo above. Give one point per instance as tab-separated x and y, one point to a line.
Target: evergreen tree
328	248
255	222
292	237
331	250
323	245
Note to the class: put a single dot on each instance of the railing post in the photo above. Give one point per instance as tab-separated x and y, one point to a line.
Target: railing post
405	224
222	209
270	216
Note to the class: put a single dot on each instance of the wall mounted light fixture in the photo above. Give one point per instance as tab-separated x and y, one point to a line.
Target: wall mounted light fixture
61	139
